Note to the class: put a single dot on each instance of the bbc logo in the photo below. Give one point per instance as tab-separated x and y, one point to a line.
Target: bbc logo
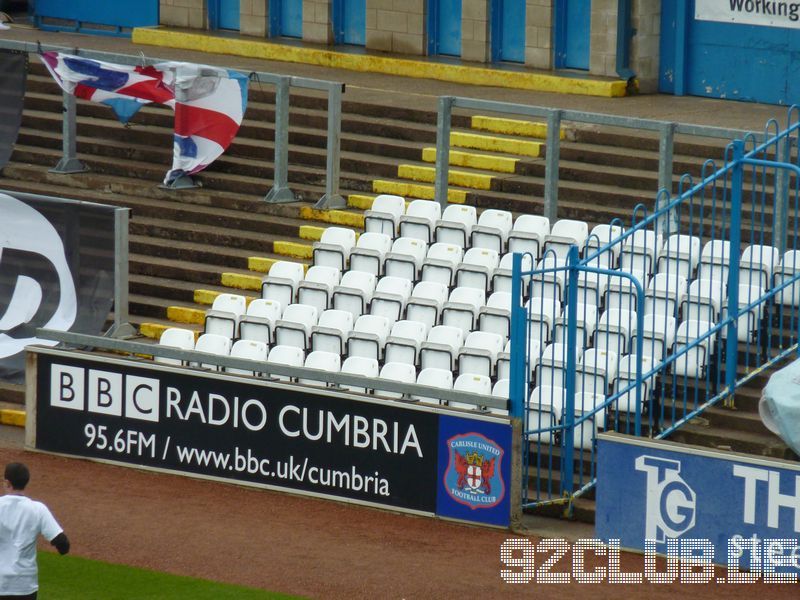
104	392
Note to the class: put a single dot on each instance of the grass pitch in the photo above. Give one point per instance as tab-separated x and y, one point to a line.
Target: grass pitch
75	578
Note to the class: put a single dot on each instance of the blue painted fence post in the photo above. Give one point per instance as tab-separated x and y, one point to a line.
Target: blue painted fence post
732	341
568	439
519	349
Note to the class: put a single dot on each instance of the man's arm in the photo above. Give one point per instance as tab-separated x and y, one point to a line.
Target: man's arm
61	543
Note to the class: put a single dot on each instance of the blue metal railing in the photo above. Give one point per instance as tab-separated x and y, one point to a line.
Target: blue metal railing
676	311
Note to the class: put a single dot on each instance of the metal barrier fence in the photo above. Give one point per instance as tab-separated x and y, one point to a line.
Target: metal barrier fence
640	327
280	191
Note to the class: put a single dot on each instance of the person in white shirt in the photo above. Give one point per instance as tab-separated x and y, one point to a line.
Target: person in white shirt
22	520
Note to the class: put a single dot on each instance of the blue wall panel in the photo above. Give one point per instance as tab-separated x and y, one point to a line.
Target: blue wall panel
444	27
286	18
120	13
350	22
228	14
577	29
509	30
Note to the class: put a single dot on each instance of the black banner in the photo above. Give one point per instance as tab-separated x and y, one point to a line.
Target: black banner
13	75
56	271
254	431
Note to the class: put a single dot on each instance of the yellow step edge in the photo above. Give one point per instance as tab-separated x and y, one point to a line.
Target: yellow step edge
335	217
375	63
183	314
485	162
261	264
10	416
240	281
512	126
311	232
293	249
491	143
154	330
360	202
414	190
476	181
207	297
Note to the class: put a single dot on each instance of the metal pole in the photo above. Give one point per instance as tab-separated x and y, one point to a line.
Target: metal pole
280	191
666	148
443	120
518	346
732	341
568	439
69	162
552	152
332	198
121	327
781	216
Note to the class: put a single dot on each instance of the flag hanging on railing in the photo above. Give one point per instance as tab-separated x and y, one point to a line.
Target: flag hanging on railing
209	102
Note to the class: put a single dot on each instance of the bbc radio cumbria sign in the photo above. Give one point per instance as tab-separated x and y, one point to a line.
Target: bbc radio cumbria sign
315	441
723	508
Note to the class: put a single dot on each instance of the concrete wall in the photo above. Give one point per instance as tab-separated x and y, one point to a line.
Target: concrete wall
183	13
396	26
646	21
253	17
603	49
539	34
317	27
475	38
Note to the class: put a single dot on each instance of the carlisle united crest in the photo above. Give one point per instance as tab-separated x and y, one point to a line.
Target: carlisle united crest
473	476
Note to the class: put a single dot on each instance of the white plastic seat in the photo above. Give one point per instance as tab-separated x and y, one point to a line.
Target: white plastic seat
542	313
749	321
259	322
317	287
664	293
758	265
290	356
461	308
715	260
613	332
368	337
212	343
420	220
552	366
703	300
384	215
626	375
441	347
501	389
551	283
406	258
680	255
250	350
585	325
225	314
639	251
529	235
658	335
426	302
282	281
175	337
441	262
504	360
398	373
477	268
595	372
364	367
492	229
294	329
566	233
545	407
404	342
456	224
390	298
495	317
473	384
621	292
601	236
354	292
328	362
438	378
370	252
503	274
592	287
478	355
695	361
787	269
330	332
333	248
